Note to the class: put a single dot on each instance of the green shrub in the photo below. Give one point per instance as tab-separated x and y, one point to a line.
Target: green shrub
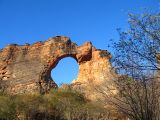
60	104
7	108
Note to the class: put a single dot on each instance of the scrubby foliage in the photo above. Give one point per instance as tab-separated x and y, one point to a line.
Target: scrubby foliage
7	107
60	104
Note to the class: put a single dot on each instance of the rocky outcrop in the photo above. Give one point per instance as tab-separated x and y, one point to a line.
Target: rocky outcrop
27	68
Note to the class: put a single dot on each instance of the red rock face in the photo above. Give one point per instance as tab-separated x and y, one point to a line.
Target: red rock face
27	68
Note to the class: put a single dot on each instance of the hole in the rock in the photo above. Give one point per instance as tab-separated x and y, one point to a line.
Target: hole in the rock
66	71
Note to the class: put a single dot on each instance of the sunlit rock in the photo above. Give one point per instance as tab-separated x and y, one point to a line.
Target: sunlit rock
27	68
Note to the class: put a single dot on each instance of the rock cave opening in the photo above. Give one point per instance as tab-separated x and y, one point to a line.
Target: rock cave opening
65	71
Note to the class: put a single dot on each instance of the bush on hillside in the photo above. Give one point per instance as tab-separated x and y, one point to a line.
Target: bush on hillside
60	104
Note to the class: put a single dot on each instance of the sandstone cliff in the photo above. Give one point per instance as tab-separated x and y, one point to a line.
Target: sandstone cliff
27	68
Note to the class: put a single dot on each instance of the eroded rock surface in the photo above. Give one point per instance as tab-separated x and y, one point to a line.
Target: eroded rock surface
27	68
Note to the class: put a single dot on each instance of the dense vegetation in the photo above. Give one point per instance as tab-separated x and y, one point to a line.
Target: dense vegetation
61	104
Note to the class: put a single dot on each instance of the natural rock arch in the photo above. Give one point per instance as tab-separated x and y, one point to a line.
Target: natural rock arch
65	72
27	68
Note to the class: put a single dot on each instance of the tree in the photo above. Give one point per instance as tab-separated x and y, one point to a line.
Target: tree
138	49
136	59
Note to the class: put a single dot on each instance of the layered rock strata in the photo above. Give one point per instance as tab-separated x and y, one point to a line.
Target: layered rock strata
27	68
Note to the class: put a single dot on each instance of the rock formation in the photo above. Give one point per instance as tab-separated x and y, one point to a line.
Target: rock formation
27	68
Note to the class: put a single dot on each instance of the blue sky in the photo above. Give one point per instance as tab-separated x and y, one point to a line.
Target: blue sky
28	21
